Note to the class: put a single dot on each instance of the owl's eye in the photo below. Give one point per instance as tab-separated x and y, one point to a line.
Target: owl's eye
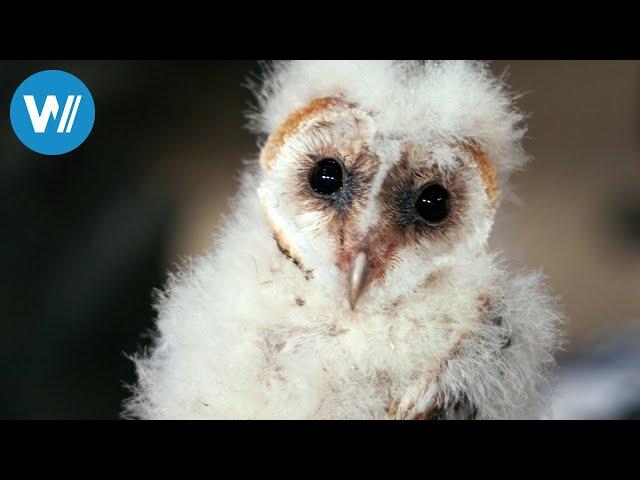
433	203
326	177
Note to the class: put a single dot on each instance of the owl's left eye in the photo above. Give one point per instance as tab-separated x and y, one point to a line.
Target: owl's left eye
433	203
326	177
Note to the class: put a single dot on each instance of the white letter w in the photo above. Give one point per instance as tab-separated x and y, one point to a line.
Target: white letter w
50	108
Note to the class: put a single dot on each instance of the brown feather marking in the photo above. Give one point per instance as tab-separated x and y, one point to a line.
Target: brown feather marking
293	124
487	172
288	252
283	243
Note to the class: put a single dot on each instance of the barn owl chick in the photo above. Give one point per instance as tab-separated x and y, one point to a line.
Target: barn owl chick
353	278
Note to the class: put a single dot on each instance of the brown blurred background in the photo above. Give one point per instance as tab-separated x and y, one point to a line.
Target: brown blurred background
88	235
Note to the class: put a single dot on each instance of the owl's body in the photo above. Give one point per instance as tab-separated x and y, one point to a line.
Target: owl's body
352	279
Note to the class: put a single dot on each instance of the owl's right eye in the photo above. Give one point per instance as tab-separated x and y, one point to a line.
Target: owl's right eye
326	177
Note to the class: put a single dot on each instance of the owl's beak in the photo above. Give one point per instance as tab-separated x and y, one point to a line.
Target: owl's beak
358	277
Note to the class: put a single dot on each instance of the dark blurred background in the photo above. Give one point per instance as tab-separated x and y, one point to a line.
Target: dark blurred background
87	236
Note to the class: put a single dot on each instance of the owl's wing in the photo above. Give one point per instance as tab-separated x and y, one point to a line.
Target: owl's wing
501	367
425	400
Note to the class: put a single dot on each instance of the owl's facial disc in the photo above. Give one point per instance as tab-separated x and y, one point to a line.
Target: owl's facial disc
370	209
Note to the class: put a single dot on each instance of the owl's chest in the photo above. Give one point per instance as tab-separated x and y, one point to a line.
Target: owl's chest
359	361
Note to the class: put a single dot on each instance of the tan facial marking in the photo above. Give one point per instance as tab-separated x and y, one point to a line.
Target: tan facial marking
284	245
295	122
288	251
487	172
281	240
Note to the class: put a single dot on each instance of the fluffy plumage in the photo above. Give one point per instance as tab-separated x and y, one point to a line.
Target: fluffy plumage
264	326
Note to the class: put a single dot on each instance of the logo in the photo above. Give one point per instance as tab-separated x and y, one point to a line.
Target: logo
52	112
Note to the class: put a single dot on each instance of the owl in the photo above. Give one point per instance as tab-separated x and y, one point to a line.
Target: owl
353	278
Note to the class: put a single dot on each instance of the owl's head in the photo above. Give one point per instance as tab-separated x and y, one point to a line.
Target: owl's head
378	174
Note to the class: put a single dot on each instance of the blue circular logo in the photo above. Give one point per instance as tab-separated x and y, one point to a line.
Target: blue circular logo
52	112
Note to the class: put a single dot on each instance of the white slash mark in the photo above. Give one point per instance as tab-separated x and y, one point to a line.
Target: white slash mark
73	114
65	113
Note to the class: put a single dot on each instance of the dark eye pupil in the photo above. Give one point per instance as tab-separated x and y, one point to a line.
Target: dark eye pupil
326	177
433	203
